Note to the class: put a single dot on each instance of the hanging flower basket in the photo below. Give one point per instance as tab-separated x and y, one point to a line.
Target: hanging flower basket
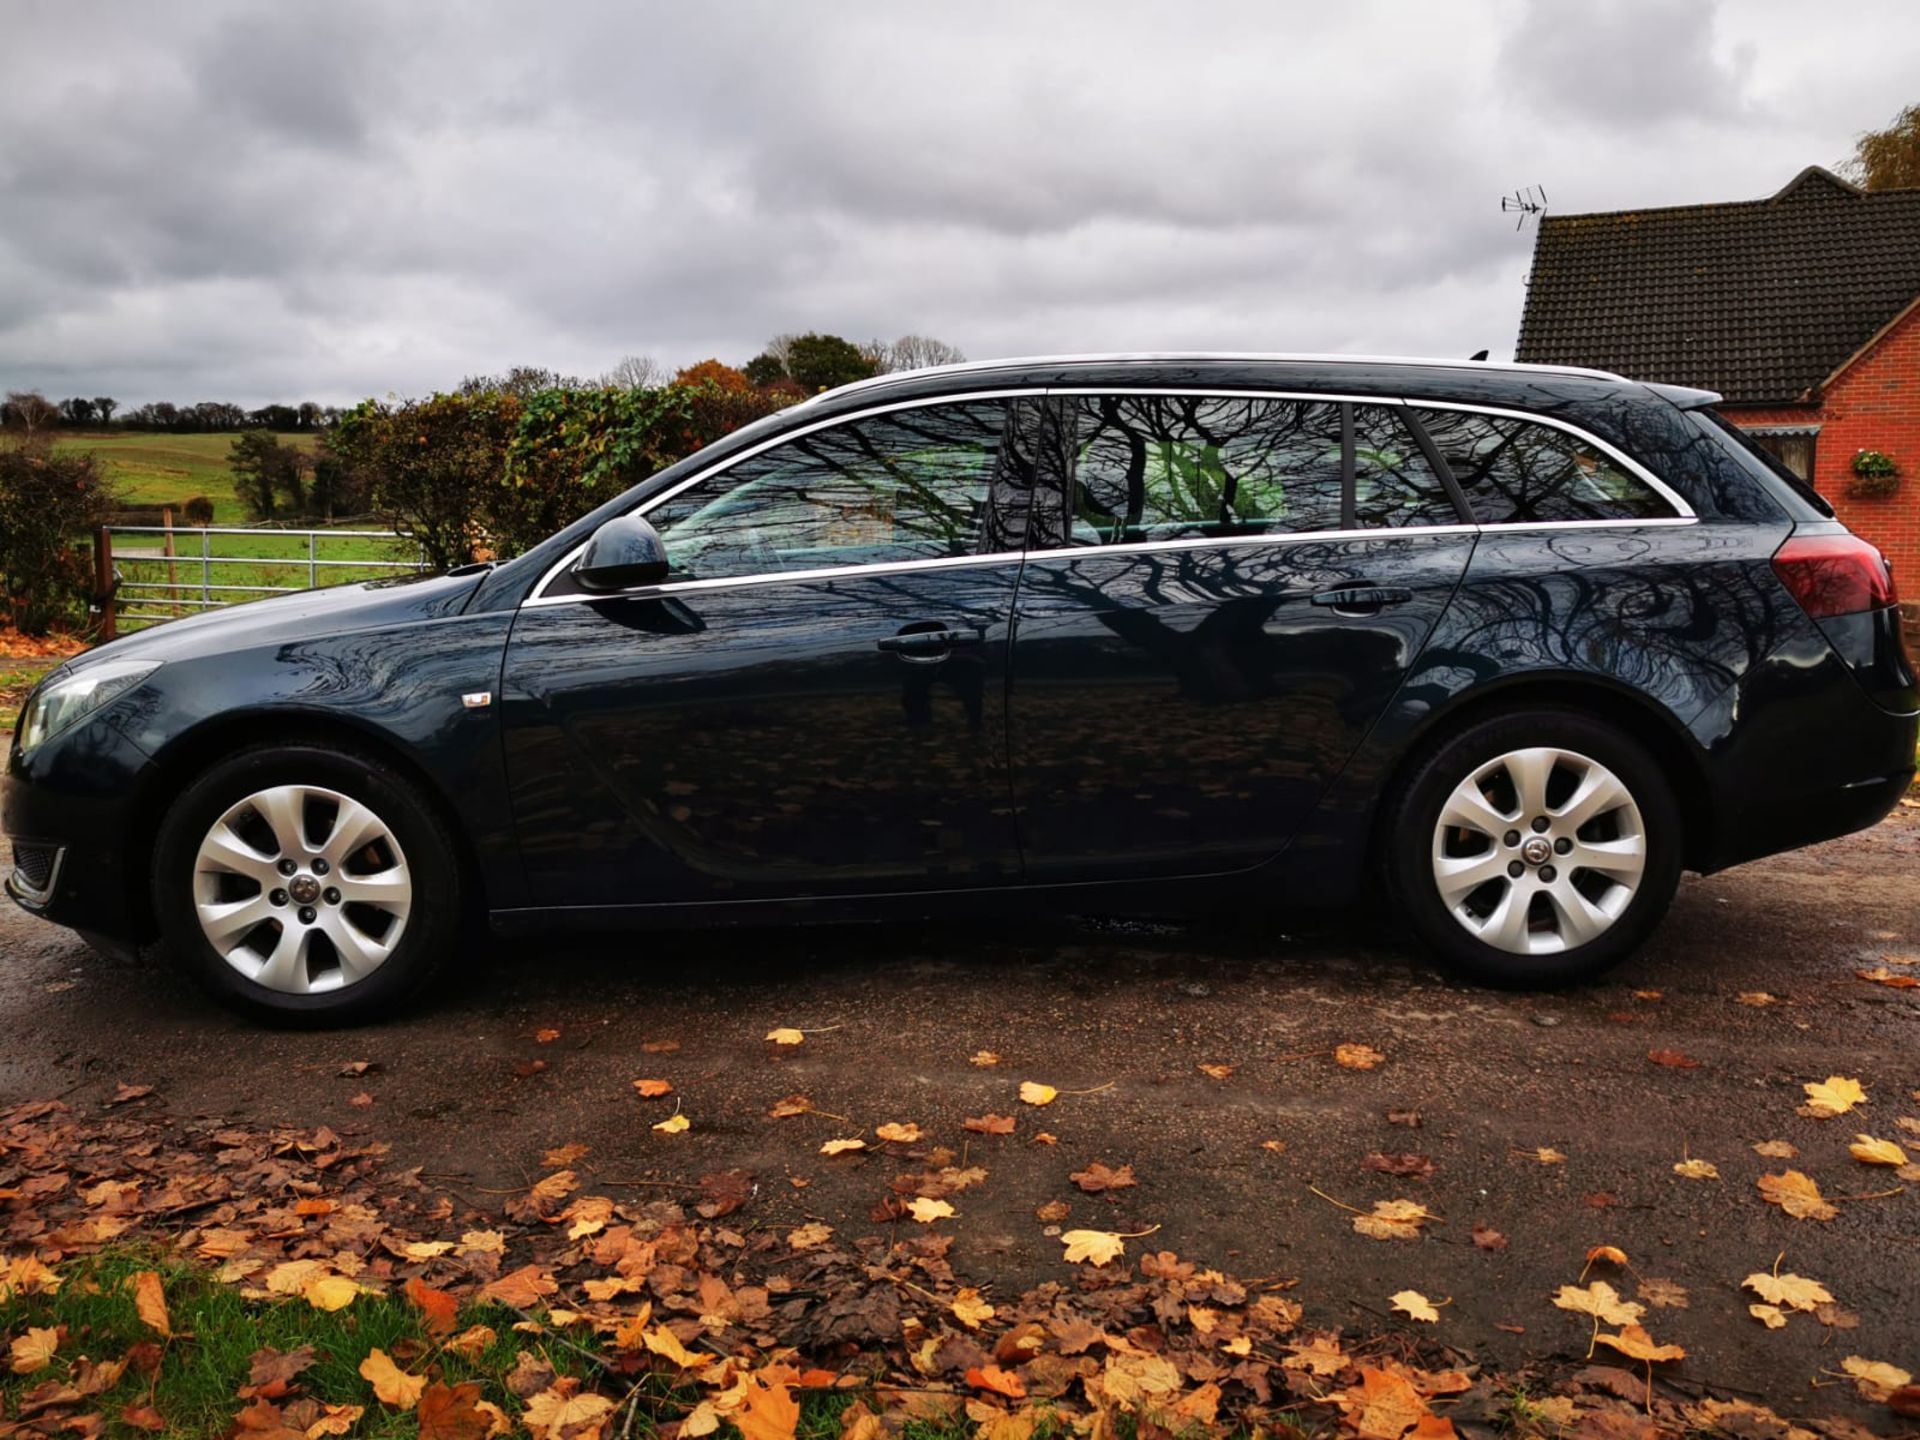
1875	476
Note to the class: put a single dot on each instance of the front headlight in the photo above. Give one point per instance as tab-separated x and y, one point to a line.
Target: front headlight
66	700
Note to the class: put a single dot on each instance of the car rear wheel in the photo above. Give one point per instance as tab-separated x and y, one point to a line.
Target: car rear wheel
305	883
1538	847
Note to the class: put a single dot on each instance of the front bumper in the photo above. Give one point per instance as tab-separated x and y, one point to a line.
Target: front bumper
70	810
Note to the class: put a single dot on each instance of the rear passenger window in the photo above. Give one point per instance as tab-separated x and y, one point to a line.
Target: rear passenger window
1517	472
1394	484
1173	467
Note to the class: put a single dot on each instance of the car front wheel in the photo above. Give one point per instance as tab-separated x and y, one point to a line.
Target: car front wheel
306	883
1539	847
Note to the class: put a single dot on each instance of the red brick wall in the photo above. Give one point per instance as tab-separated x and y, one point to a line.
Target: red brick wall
1874	405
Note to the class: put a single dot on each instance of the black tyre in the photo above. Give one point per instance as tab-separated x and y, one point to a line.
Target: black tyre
308	884
1538	847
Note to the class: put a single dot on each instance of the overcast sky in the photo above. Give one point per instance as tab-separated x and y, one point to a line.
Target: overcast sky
325	200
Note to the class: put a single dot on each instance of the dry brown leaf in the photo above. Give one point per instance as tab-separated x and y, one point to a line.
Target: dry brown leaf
1797	1194
1217	1072
985	1059
561	1411
845	1146
1893	979
1663	1294
652	1089
1673	1059
807	1237
1775	1149
1052	1211
1755	997
1612	1254
898	1133
1098	1177
1357	1057
988	1124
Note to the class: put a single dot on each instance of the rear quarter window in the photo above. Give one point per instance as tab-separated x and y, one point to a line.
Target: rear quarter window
1520	472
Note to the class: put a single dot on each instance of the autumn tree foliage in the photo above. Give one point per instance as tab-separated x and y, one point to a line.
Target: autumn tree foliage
1888	159
712	372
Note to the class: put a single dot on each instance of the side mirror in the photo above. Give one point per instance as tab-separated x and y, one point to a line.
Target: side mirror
624	552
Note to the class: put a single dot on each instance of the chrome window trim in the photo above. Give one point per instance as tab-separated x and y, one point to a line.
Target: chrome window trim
1685	514
1682	510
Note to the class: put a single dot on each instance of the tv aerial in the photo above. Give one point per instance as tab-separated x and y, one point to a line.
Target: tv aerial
1526	204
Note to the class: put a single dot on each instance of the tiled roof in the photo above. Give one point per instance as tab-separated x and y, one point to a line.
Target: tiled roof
1761	300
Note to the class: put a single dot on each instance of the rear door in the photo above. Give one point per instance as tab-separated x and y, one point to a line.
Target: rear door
1206	629
813	703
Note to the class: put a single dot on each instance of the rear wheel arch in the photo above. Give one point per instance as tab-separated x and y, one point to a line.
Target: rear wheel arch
1640	719
194	753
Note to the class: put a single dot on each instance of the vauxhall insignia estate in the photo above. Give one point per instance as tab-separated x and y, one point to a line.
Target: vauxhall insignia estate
1516	645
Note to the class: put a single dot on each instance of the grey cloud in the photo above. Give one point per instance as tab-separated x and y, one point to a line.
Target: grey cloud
264	201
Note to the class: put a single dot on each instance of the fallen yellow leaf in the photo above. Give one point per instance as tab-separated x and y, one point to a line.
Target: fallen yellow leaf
806	1237
560	1411
673	1124
1357	1057
34	1350
1797	1194
1832	1096
902	1134
1696	1170
1412	1303
663	1342
983	1058
1599	1300
150	1300
391	1385
1771	1316
842	1147
1870	1151
1875	1379
1096	1247
785	1036
927	1211
330	1292
1034	1093
1392	1220
1638	1344
970	1309
1796	1291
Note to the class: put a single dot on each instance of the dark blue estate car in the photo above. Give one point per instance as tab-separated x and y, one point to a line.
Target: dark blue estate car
1115	633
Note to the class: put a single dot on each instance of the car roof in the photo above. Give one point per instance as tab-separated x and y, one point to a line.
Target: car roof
1489	382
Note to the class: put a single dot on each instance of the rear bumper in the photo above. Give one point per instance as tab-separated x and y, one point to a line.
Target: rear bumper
68	810
1803	754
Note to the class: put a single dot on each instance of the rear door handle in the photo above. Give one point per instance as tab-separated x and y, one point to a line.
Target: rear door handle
1363	599
928	641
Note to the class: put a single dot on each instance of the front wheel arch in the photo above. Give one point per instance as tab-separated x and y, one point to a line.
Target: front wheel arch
191	755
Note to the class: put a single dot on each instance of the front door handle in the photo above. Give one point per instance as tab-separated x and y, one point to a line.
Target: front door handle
1363	599
928	640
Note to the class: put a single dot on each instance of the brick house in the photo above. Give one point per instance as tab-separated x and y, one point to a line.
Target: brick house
1802	309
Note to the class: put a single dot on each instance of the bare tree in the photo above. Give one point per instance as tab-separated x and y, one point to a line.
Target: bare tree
104	406
636	372
31	411
910	352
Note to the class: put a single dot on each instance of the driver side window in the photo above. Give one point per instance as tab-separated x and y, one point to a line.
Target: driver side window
924	483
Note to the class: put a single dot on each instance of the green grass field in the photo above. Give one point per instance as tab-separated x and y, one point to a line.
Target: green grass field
150	469
158	469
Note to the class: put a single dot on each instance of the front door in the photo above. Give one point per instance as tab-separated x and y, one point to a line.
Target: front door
813	703
1227	605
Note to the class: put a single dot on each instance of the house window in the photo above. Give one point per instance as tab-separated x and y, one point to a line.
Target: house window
1792	448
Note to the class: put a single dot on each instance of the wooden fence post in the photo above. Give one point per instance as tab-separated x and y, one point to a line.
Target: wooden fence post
103	581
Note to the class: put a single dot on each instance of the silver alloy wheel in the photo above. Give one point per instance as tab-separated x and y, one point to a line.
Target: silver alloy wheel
302	889
1539	851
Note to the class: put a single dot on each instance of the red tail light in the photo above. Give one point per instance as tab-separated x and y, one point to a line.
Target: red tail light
1835	575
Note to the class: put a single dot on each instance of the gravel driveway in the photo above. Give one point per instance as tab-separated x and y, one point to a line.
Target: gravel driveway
1678	1056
